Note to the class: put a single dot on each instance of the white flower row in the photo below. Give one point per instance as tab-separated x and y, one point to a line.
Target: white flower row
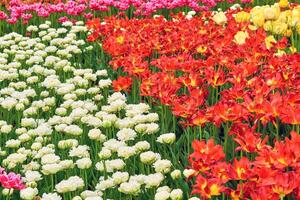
67	137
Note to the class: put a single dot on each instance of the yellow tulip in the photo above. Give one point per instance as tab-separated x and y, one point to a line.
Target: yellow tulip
257	9
282	17
283	3
272	12
269	41
240	37
279	28
268	26
220	18
288	13
242	17
294	19
258	19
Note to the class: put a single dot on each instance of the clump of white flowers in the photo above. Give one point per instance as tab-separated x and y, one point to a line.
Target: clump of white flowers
71	184
167	138
68	134
28	193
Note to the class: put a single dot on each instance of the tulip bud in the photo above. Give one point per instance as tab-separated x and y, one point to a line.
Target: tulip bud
106	124
7	192
176	174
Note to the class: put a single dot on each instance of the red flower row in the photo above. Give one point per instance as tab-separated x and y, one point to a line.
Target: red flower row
197	68
273	174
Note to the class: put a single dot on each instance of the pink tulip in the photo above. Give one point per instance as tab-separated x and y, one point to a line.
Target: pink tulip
11	180
88	15
3	16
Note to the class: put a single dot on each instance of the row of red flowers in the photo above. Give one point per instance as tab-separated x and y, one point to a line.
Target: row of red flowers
201	72
273	174
229	75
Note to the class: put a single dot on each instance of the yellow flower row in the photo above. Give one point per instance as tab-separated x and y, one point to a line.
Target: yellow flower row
279	19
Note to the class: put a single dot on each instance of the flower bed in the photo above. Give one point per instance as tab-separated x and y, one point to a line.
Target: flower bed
139	100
